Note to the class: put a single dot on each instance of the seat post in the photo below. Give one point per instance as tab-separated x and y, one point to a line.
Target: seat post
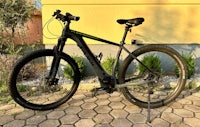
127	28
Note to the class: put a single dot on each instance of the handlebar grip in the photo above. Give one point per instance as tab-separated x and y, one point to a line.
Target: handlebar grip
71	17
75	18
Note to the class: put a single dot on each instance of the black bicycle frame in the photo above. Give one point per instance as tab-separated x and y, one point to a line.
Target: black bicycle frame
105	79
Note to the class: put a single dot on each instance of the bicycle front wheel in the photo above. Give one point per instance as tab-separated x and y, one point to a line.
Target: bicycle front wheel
28	85
167	68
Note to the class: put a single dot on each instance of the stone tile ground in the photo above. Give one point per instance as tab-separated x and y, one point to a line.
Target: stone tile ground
105	110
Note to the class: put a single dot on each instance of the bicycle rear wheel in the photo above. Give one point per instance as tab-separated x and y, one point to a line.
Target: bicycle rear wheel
28	86
169	69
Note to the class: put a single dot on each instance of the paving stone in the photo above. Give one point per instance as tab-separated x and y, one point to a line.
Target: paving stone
102	125
115	98
121	122
103	118
24	115
87	113
43	112
171	117
66	126
179	124
103	96
169	109
49	123
184	113
127	103
88	105
73	110
79	96
90	99
85	123
102	102
7	107
194	122
133	109
115	93
196	94
153	113
75	102
176	105
185	101
119	113
62	107
55	114
192	98
159	123
30	126
5	119
87	93
197	115
192	108
69	119
15	123
196	102
136	118
15	111
35	120
140	125
116	105
103	109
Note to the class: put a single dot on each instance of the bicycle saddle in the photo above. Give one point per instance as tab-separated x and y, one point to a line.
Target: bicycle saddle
134	21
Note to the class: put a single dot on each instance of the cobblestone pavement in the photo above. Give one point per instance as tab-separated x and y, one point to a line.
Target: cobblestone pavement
105	110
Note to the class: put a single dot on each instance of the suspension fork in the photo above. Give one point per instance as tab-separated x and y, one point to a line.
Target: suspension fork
57	50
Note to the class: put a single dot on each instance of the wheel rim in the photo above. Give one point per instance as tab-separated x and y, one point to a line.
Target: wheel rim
168	86
31	88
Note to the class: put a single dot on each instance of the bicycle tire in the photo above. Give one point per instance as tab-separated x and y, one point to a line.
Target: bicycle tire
138	94
21	84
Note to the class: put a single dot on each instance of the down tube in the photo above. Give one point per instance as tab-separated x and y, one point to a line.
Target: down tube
90	56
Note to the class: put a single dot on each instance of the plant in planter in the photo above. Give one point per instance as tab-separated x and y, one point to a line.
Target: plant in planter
108	64
152	62
68	72
190	63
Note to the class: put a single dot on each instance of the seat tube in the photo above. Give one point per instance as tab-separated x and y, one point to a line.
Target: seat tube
120	49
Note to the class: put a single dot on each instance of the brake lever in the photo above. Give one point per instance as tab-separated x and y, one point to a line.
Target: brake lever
57	12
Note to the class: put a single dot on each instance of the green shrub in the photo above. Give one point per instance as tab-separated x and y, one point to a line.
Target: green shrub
108	65
152	62
190	63
68	72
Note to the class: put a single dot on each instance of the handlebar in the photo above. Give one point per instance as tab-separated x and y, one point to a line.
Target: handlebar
67	17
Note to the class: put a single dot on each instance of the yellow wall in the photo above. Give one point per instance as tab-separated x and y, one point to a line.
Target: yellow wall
166	21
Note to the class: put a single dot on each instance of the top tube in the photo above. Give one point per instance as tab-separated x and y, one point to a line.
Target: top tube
94	38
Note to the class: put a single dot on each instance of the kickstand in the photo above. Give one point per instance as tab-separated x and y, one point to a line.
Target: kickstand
149	106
